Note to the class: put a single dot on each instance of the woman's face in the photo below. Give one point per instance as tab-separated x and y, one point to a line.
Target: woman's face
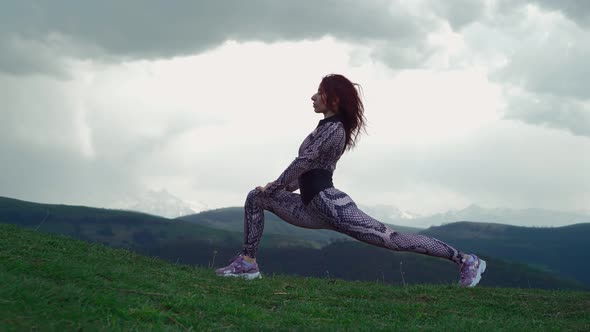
319	102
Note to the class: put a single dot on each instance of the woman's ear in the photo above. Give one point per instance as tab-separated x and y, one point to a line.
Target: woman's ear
335	103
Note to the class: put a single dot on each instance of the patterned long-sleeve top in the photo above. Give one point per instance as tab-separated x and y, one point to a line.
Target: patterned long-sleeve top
312	169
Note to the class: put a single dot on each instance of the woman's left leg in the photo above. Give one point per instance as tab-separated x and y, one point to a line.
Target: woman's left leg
339	210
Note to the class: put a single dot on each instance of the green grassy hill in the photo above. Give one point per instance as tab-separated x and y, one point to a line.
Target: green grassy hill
51	282
360	261
130	229
125	229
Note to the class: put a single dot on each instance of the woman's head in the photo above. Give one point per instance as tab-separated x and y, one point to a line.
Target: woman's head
337	94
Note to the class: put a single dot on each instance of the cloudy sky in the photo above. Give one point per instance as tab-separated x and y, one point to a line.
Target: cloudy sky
468	102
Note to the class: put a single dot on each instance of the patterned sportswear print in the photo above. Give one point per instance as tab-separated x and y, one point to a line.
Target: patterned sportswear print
331	208
321	149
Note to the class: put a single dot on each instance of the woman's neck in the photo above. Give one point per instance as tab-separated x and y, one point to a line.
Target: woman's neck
329	114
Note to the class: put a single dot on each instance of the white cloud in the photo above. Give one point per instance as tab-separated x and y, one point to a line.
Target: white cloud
504	164
537	57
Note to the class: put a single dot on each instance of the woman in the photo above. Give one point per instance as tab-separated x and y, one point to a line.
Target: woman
320	205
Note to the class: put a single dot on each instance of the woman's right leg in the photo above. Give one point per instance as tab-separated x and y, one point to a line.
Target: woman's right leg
286	205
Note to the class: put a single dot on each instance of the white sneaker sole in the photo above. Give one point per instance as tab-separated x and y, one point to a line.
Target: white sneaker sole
480	271
248	276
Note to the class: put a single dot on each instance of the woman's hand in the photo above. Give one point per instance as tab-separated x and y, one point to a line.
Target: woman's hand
262	189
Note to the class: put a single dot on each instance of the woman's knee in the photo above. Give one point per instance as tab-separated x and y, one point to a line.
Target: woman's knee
254	196
252	193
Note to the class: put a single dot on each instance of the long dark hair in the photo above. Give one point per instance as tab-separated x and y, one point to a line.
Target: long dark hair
339	90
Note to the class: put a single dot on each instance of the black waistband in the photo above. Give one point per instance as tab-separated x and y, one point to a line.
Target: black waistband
312	182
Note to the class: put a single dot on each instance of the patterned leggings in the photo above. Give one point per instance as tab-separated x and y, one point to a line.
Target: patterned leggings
335	210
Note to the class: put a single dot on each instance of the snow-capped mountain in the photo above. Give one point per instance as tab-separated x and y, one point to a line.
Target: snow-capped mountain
389	214
160	203
518	217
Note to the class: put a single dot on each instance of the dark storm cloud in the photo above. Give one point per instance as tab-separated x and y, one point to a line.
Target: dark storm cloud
153	29
577	10
18	57
459	13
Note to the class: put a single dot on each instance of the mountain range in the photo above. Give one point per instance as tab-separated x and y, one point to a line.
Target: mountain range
531	217
163	203
160	203
546	257
518	217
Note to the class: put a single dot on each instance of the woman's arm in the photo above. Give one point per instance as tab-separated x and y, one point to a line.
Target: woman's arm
328	137
291	187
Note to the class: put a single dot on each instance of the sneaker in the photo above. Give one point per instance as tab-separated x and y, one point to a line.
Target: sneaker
471	271
239	268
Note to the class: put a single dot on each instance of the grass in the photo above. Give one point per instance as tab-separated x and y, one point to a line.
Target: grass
51	282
